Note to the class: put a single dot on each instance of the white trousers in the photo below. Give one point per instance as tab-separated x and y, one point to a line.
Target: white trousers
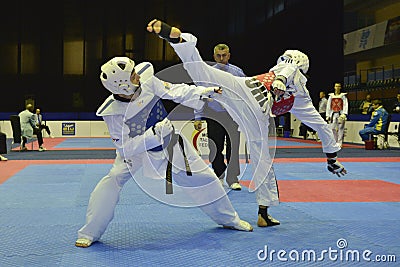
304	110
337	128
105	196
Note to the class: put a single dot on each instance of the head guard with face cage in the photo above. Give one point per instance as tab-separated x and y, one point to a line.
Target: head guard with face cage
295	57
115	76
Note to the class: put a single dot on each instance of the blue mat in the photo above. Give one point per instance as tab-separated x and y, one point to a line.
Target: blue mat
294	143
43	206
106	142
86	143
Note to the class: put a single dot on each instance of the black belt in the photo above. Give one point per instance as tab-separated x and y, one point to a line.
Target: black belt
170	149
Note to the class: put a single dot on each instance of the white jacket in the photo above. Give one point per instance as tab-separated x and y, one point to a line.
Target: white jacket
28	122
130	123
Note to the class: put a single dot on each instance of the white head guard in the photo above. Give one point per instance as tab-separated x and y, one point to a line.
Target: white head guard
296	57
115	76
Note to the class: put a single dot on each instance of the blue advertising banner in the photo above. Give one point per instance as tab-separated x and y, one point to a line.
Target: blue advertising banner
68	128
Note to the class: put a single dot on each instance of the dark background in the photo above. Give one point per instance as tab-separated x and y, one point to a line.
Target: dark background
255	38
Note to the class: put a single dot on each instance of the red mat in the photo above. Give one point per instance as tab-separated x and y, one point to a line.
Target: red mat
11	167
337	191
290	190
50	143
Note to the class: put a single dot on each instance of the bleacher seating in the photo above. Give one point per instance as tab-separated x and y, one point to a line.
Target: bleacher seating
381	82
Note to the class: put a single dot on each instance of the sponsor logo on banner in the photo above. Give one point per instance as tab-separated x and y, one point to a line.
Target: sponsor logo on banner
366	38
68	128
199	139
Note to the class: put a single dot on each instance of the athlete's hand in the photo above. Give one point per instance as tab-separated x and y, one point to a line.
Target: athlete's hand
342	118
165	31
153	26
163	128
208	92
279	88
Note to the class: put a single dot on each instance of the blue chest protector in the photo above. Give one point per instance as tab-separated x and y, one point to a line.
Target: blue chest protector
150	115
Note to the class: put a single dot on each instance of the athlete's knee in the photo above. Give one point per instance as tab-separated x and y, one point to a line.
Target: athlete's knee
120	178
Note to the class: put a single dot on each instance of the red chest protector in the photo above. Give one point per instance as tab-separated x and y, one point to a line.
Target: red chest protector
282	105
337	104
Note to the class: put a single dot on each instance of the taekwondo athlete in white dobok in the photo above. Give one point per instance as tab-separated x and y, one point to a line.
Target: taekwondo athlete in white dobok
144	137
336	112
290	80
248	100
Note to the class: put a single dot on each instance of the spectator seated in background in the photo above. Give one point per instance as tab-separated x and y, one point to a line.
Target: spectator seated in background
378	122
29	128
40	124
366	105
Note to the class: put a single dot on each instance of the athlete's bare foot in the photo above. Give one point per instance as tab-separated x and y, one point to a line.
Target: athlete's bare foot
156	26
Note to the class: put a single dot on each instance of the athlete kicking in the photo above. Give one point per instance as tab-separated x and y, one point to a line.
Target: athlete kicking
249	100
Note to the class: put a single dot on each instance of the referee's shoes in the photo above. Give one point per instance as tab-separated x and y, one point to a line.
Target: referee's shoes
236	186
